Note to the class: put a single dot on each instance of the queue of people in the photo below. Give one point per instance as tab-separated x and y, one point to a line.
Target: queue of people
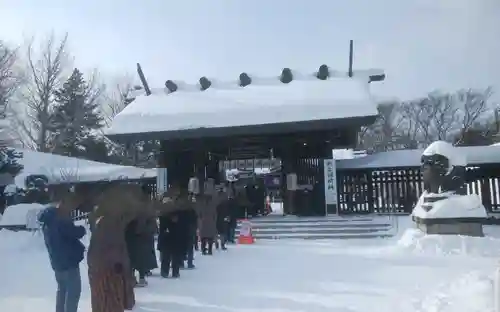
123	225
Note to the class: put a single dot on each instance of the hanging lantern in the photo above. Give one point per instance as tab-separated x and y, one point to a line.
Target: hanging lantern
286	75
171	86
323	72
245	80
194	186
204	83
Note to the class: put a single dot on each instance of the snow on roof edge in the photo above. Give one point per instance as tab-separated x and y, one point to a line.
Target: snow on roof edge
60	169
475	155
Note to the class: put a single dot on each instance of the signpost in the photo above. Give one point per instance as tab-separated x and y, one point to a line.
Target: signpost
331	194
161	180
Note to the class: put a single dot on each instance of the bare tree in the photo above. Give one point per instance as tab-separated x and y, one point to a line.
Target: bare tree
95	92
438	116
45	70
383	134
442	116
121	94
10	80
476	106
412	114
118	96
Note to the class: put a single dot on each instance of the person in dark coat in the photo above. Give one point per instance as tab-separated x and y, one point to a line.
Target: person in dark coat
189	220
223	222
232	207
139	235
66	251
171	244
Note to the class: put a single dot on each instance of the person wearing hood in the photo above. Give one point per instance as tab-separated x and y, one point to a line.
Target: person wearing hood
66	251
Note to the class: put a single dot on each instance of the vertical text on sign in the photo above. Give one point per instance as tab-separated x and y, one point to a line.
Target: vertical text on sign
330	176
161	180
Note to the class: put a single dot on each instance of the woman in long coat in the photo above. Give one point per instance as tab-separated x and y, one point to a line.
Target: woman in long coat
139	236
207	212
111	284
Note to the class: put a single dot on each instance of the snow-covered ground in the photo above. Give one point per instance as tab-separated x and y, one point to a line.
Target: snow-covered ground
411	272
20	214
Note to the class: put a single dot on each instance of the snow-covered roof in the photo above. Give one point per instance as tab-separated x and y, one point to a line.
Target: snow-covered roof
475	155
59	169
264	101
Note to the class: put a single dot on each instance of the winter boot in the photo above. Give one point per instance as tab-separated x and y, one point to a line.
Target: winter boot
141	283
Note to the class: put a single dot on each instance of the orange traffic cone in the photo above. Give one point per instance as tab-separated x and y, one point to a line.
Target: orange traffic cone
246	237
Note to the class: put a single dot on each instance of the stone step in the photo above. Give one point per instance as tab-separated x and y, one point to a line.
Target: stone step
258	232
331	227
281	219
324	236
317	225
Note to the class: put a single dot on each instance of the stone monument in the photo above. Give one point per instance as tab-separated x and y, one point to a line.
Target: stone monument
444	207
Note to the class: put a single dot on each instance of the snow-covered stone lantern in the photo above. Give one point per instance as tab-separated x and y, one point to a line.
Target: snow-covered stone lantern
445	207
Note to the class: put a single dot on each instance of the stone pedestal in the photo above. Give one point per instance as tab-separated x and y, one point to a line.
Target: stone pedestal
450	214
451	226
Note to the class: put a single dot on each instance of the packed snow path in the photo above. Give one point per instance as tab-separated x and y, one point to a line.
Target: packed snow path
413	274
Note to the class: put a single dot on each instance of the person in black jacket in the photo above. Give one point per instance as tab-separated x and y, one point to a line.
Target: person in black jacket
223	220
171	244
189	222
139	236
232	207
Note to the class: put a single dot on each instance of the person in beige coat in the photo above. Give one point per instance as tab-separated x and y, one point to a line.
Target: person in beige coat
207	212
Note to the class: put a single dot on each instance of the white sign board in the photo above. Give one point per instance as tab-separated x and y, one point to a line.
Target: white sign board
330	171
161	180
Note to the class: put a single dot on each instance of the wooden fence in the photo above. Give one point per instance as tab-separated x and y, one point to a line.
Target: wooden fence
397	190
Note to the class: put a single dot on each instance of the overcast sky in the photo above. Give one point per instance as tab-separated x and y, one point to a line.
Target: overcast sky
421	44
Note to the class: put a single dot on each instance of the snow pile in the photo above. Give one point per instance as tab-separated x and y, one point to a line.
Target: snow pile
455	206
20	243
471	292
416	241
18	214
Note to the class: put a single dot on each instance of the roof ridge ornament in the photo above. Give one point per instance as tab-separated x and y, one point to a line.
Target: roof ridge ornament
286	75
205	83
245	80
171	86
323	72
